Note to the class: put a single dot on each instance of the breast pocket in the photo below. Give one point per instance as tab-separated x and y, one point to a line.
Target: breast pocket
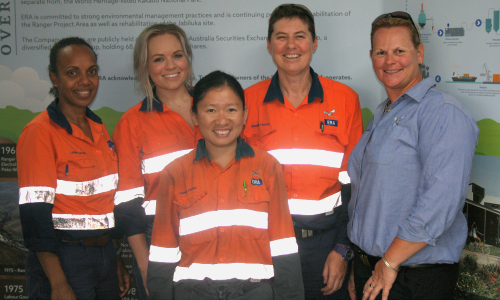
77	169
263	137
194	218
334	141
253	205
383	144
159	143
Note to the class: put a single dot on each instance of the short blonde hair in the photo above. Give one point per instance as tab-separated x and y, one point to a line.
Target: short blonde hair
141	57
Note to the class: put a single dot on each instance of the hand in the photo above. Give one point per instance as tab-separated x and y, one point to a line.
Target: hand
351	287
62	292
333	273
382	279
123	278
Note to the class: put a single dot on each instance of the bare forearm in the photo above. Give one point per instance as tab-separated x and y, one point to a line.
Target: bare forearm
52	268
58	282
140	249
401	250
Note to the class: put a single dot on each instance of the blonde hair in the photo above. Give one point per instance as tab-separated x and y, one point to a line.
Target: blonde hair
141	57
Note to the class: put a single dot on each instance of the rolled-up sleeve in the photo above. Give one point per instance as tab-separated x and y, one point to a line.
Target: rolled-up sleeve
446	143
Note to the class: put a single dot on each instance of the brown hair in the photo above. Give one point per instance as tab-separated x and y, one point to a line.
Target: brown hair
389	21
290	11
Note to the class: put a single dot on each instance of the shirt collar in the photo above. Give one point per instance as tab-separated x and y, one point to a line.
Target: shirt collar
242	149
418	91
58	117
157	105
274	90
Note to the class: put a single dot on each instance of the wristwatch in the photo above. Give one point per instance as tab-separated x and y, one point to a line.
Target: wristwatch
345	251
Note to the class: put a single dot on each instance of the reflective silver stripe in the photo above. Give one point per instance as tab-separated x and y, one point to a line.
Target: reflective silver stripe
87	188
83	222
129	195
164	255
150	207
344	177
212	219
313	157
284	246
314	207
156	164
224	271
36	194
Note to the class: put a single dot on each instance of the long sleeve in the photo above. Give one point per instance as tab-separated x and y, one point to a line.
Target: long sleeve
37	192
284	250
129	212
164	253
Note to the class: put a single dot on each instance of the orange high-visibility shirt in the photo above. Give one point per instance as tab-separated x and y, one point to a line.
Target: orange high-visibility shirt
312	142
67	182
147	141
223	223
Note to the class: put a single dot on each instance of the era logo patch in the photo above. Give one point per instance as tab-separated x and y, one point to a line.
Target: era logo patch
256	181
331	122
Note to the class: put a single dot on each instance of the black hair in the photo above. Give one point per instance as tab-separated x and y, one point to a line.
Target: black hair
290	11
214	80
56	49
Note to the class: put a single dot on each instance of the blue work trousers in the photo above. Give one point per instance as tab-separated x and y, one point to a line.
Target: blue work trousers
91	272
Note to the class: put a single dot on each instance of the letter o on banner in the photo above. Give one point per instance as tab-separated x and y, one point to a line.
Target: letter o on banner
5	49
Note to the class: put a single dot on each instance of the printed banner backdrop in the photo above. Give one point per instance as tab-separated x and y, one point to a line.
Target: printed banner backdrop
461	42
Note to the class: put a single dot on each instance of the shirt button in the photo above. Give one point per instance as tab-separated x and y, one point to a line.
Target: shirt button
296	139
98	151
221	230
221	259
295	168
295	114
295	195
221	200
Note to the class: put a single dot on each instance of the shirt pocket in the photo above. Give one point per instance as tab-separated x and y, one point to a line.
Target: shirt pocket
193	228
263	137
382	146
335	141
78	169
157	144
253	203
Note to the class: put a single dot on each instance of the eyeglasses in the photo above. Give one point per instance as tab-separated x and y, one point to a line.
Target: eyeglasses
398	15
300	6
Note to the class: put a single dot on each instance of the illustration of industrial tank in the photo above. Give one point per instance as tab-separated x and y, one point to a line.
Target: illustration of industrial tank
495	21
422	18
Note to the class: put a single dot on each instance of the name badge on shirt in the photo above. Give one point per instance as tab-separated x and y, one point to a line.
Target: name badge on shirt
329	122
256	181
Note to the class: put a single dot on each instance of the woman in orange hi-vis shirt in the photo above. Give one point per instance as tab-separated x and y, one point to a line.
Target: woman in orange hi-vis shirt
67	180
222	227
151	134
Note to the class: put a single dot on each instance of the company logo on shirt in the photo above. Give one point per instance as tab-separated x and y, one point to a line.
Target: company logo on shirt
329	122
256	181
329	113
255	173
397	121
